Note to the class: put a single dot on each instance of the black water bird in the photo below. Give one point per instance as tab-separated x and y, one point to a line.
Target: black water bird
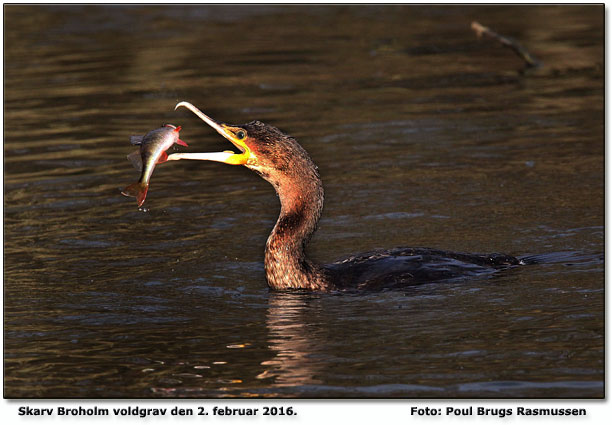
279	159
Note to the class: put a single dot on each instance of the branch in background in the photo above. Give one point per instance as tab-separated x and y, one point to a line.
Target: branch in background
508	42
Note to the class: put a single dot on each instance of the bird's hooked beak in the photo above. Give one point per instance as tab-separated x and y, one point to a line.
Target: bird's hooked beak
230	133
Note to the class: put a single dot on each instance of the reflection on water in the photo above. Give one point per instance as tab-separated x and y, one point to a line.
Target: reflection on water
293	341
424	136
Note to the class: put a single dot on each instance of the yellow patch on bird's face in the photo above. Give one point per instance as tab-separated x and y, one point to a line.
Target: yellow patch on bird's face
238	137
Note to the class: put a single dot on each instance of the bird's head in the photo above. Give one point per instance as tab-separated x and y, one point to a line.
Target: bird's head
262	148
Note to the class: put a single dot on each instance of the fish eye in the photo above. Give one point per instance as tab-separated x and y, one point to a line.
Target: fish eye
241	135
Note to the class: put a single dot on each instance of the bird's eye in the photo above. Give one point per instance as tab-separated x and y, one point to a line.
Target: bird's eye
240	135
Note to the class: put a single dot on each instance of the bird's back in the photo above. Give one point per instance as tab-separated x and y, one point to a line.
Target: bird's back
400	267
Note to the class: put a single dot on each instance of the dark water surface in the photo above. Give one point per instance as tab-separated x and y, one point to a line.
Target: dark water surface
424	135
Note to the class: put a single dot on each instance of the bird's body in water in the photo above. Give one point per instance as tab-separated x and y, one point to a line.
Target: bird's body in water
280	160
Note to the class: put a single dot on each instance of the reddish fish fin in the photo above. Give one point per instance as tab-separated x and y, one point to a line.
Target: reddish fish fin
162	158
136	160
179	141
142	195
136	140
137	190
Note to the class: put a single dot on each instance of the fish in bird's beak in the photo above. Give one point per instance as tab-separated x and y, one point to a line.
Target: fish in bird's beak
236	135
152	151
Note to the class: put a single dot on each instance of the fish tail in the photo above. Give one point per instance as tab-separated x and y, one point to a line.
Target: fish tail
137	190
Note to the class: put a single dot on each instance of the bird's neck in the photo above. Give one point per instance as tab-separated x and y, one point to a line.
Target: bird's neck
286	264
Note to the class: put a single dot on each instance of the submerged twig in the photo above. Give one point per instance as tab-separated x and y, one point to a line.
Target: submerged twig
481	30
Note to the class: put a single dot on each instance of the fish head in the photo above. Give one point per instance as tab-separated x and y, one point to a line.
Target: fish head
175	129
